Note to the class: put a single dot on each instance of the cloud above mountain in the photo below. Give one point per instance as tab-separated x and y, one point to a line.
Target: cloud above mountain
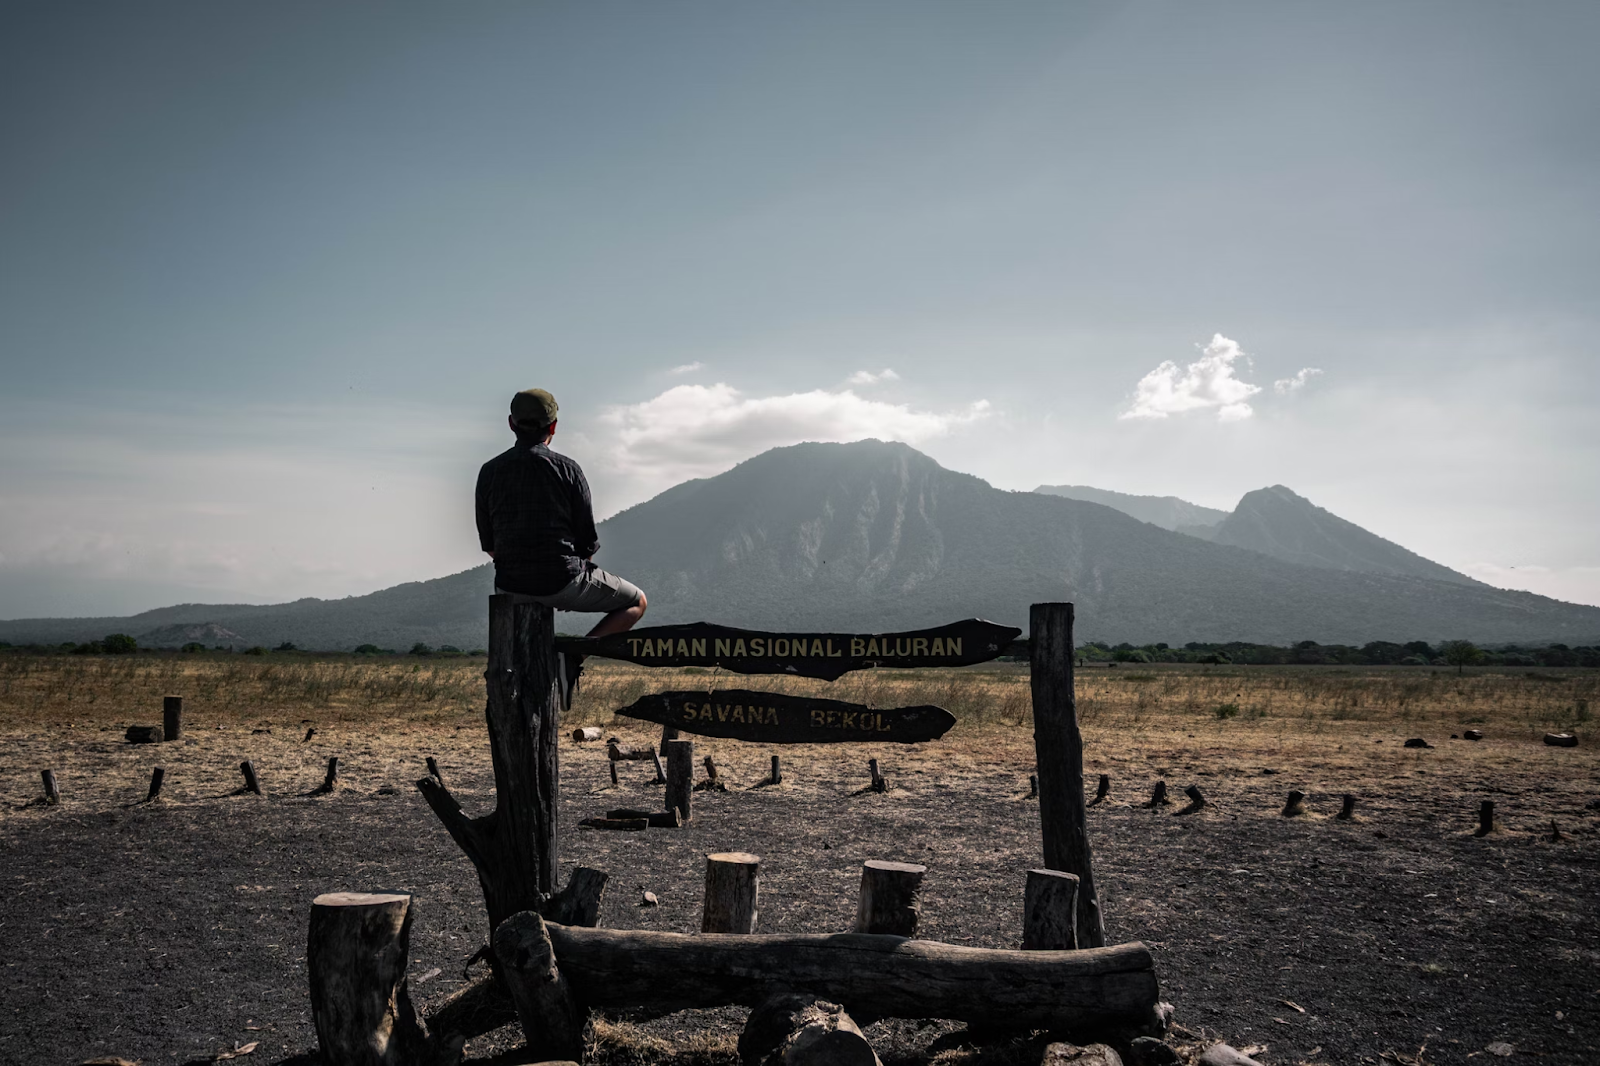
692	431
1208	383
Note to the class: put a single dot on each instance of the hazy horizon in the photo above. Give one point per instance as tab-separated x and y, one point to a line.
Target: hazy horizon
272	272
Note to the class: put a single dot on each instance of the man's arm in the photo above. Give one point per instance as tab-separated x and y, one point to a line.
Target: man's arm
584	537
485	519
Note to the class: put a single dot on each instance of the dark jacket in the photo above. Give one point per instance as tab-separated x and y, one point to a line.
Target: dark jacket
534	514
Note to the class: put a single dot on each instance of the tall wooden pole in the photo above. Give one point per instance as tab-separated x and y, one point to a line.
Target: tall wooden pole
1058	748
514	846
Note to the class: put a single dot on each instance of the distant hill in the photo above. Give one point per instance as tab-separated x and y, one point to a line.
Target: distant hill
877	536
1275	521
1168	512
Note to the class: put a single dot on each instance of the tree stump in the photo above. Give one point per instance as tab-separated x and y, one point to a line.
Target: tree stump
1485	818
889	900
251	782
1296	804
1348	810
156	777
356	960
712	783
680	777
52	794
1158	796
733	882
1102	791
171	717
143	734
552	1020
1050	911
586	734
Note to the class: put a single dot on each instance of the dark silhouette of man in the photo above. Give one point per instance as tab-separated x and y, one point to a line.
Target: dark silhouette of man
535	521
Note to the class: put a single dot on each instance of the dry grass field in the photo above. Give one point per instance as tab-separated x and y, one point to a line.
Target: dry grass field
1399	936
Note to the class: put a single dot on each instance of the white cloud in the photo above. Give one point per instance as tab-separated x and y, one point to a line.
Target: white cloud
1284	386
1208	382
688	368
693	431
867	377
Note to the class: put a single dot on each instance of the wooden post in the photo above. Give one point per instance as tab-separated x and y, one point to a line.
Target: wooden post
330	780
156	777
433	770
356	960
680	776
879	782
889	900
1050	911
1158	795
1485	818
52	794
514	846
733	881
1296	804
551	1018
661	775
613	764
1197	799
171	717
777	772
1033	786
1347	811
1058	747
711	770
251	782
1103	791
668	732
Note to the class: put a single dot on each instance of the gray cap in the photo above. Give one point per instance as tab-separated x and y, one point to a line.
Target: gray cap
534	407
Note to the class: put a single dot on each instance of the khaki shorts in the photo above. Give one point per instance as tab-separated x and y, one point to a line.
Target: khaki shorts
592	592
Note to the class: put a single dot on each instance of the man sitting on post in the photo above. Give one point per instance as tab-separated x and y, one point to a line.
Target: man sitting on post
535	521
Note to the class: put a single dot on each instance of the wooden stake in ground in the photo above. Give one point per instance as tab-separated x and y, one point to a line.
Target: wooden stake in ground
1485	818
251	782
1058	747
330	780
1102	791
889	900
1033	786
733	883
514	847
1296	804
776	777
1158	796
1348	810
1197	799
356	960
171	717
680	776
661	775
879	782
1050	911
156	777
52	794
551	1018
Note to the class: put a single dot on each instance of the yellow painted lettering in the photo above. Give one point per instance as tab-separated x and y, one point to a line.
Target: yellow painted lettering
848	720
919	646
698	647
902	646
772	716
798	646
724	647
952	645
683	646
832	654
758	647
648	649
858	647
938	646
881	727
738	647
780	647
872	648
818	719
633	644
738	713
833	719
722	712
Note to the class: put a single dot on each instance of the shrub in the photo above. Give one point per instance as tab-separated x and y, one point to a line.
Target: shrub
368	649
257	650
119	644
449	649
1133	655
420	648
286	646
193	645
1227	710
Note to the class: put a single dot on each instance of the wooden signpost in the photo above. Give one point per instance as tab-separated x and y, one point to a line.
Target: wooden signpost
776	718
824	655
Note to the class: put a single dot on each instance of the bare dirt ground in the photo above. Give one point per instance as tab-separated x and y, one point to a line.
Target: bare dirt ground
174	931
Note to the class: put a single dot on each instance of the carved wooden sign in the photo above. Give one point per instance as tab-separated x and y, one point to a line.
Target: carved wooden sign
777	718
824	655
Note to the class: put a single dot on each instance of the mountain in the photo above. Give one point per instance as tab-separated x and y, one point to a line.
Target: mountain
1168	512
1275	521
874	536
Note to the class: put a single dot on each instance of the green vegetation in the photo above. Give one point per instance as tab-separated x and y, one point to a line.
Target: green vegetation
1457	653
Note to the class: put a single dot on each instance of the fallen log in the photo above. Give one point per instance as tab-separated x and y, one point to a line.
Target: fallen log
657	819
586	733
1561	740
625	825
870	975
143	734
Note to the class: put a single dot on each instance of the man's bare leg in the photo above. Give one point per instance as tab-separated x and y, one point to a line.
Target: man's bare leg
620	621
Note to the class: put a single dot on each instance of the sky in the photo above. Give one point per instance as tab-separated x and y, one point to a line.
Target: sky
269	273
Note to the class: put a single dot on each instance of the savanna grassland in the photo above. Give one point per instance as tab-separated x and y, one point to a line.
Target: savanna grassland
1399	933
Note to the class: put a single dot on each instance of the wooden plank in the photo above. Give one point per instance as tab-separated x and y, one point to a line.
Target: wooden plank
776	718
824	655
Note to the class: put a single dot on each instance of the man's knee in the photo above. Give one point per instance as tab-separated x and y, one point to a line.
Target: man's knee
643	603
